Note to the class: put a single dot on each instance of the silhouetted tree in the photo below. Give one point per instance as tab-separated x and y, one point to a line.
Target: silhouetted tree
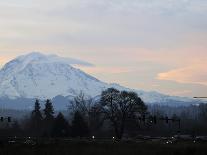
203	112
16	129
86	107
48	111
96	119
120	106
36	119
79	126
61	127
81	104
49	118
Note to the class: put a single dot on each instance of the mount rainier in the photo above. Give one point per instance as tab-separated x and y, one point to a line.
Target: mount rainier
36	75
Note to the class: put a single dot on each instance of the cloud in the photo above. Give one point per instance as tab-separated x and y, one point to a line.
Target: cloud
143	23
130	41
181	92
194	73
4	59
70	61
51	58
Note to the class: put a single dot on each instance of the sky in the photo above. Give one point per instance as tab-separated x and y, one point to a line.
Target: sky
154	45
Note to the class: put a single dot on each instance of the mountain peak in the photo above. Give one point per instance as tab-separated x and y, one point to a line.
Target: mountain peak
39	57
37	75
32	55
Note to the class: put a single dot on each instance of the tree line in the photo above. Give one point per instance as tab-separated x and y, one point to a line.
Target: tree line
113	115
114	110
116	114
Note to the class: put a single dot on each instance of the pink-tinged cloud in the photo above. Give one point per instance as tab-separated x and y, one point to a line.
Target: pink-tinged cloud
194	73
3	60
181	92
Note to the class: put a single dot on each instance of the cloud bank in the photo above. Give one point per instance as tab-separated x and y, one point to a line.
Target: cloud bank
138	43
196	74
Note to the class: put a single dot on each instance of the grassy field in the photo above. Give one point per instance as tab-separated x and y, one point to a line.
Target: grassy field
104	148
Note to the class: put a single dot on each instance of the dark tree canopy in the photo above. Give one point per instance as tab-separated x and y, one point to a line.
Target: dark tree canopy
203	112
79	126
48	111
36	119
48	119
81	104
36	113
118	106
61	126
121	111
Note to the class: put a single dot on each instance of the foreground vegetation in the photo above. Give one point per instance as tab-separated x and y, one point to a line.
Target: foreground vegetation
114	125
103	148
113	115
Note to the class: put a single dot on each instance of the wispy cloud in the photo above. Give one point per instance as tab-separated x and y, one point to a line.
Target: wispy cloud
181	92
194	73
129	41
143	23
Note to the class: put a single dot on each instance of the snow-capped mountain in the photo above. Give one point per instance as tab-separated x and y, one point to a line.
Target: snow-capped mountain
40	76
46	76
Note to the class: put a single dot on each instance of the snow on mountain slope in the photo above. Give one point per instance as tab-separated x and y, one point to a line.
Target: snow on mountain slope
46	76
40	76
153	97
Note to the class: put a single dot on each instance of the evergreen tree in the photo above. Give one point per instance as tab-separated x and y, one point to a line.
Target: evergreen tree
49	111
36	119
61	126
36	113
49	118
79	126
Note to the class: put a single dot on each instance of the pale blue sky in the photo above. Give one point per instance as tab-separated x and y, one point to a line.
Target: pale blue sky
145	44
